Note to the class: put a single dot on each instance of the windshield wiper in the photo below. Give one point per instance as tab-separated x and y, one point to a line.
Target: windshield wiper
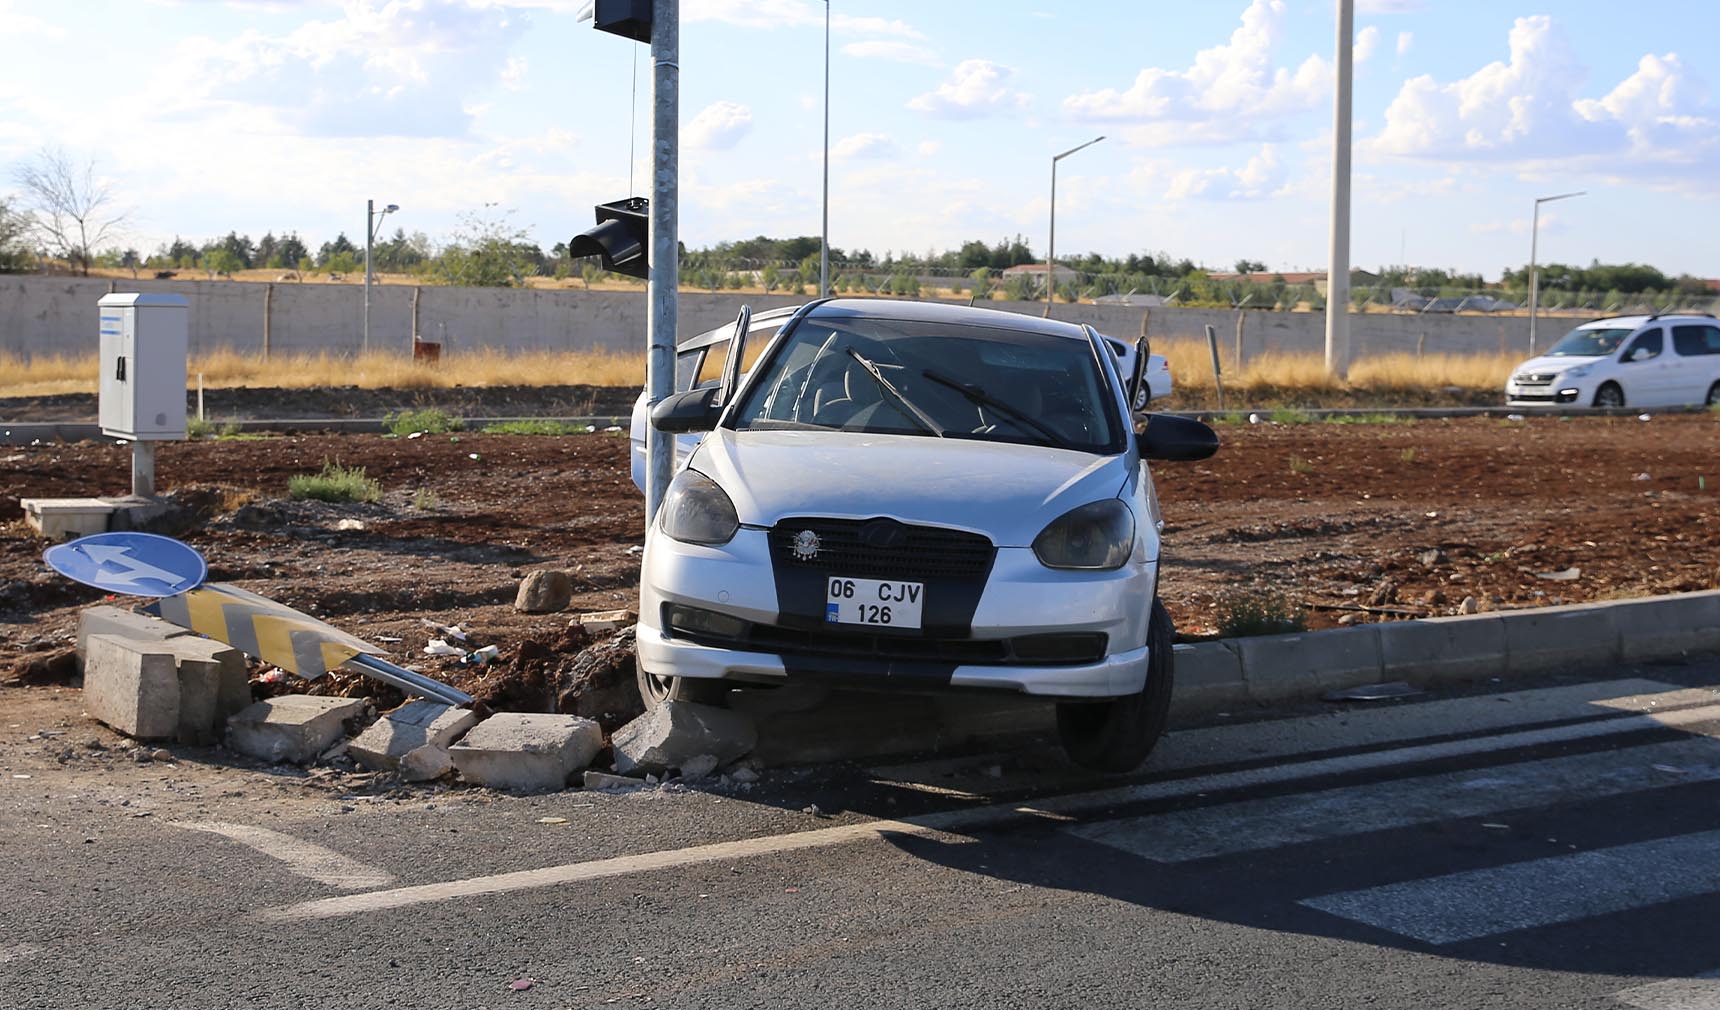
980	396
915	414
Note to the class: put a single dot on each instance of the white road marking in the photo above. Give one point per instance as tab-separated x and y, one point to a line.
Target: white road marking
306	859
1699	993
1252	825
10	952
1054	808
1539	892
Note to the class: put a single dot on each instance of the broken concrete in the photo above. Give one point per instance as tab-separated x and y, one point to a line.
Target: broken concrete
595	779
544	592
527	751
199	693
109	620
677	732
415	724
233	687
291	728
605	621
422	764
132	686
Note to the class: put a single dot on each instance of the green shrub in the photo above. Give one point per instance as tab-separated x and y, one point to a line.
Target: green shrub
334	483
425	500
431	421
1259	612
541	426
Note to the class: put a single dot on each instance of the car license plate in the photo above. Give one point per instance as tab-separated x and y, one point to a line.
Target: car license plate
874	602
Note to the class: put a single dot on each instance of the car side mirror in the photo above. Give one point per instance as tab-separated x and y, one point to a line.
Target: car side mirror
694	410
1177	439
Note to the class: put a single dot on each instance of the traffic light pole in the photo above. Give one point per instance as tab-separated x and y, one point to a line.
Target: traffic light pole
665	259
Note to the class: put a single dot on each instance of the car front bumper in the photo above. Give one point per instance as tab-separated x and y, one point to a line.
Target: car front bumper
1021	601
1559	392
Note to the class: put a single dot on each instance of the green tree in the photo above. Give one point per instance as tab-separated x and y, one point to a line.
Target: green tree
771	277
981	279
221	261
590	272
329	250
1250	267
489	251
291	251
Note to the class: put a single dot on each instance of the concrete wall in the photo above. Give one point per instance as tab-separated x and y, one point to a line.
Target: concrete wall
57	315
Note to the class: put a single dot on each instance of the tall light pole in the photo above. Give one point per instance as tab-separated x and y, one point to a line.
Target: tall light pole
1051	251
1338	268
824	242
372	221
1534	275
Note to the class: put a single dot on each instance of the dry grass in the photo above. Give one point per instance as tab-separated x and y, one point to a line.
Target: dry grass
1191	365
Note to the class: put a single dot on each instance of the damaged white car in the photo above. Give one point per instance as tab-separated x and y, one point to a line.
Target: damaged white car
915	496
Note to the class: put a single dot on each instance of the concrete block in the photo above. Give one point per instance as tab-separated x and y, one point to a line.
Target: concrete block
1207	678
595	779
132	686
526	751
422	764
1299	667
199	696
1667	626
66	518
293	727
1443	649
413	725
1558	638
109	620
676	732
233	688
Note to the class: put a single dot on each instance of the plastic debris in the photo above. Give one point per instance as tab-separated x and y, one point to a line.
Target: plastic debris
274	675
473	455
1497	827
453	631
1641	476
1515	417
552	820
416	434
439	647
1644	417
521	984
1563	575
1671	769
478	657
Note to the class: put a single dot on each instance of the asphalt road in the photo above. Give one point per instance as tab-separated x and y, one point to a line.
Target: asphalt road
1551	846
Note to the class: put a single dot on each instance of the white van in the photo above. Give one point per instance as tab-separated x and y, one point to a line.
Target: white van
1626	361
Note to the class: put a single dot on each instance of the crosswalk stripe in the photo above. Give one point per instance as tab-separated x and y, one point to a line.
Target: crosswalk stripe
307	859
1699	993
1253	825
1540	892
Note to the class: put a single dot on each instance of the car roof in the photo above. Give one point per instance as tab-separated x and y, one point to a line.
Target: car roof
1619	322
942	312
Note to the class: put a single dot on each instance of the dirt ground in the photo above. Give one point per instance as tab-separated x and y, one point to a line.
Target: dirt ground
1404	519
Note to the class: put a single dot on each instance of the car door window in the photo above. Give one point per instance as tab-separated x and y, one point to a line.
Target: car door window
686	368
1696	339
1644	348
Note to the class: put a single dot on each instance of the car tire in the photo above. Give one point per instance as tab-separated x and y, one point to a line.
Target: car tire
1713	395
1609	395
1116	736
655	690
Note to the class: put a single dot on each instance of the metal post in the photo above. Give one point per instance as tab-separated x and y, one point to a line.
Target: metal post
143	469
1217	371
369	223
1237	361
665	261
1051	251
824	242
1534	272
1338	271
268	316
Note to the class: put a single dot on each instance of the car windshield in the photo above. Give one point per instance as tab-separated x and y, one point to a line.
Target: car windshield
1588	343
904	377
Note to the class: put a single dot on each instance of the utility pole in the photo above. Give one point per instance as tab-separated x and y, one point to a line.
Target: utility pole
1338	271
1534	272
824	243
371	221
665	260
1051	252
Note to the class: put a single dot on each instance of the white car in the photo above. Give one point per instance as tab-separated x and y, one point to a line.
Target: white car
1625	361
918	496
699	362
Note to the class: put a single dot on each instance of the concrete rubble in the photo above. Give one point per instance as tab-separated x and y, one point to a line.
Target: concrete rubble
292	728
179	687
529	752
423	764
414	725
676	733
109	620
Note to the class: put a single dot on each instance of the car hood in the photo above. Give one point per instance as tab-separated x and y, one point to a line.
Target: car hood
1006	491
1544	363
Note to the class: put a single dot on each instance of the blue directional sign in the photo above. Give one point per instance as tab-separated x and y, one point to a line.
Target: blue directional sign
133	564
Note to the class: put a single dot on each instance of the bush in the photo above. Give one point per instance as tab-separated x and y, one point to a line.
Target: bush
430	422
334	483
536	427
1250	612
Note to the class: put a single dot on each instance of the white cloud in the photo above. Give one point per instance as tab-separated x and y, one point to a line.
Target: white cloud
718	126
1225	94
1405	40
514	73
928	148
14	24
864	145
1367	40
1389	7
1655	124
893	51
1263	174
789	14
975	88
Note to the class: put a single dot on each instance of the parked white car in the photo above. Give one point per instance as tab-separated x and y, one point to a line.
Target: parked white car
1625	361
919	496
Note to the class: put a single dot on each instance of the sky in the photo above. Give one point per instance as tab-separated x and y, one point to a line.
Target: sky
260	115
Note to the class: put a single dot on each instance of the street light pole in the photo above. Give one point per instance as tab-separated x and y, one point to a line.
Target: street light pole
662	306
1534	274
1051	250
824	242
371	220
1338	266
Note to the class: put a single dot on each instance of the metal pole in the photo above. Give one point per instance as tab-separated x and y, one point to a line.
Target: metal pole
369	219
665	262
1534	279
143	469
824	243
1338	271
1051	251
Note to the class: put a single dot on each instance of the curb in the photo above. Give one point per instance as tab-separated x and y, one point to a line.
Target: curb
1236	673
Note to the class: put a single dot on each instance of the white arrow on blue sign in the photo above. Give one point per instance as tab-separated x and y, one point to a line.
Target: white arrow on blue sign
133	564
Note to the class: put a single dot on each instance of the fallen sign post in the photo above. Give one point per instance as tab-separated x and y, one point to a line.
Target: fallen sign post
143	564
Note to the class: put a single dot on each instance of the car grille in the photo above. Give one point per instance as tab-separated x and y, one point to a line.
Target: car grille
916	553
1535	378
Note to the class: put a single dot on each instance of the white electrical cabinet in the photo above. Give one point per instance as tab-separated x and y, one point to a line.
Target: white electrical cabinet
144	343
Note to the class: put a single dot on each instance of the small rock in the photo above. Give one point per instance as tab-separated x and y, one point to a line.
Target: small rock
161	754
424	764
346	525
595	779
1385	593
544	592
1469	606
698	767
744	775
1433	597
1349	619
814	810
1431	557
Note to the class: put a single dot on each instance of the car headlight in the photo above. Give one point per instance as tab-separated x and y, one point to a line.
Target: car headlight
696	511
1578	372
1097	535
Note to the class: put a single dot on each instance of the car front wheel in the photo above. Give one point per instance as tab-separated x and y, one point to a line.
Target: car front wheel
1116	736
1714	395
656	690
1609	395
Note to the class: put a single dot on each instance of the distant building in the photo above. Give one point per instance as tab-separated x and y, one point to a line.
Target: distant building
1358	278
1062	275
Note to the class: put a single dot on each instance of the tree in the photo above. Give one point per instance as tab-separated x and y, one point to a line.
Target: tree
292	252
130	261
981	280
74	211
489	251
1250	267
15	228
222	261
329	250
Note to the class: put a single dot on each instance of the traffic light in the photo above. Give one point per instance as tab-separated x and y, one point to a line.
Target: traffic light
620	238
630	19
